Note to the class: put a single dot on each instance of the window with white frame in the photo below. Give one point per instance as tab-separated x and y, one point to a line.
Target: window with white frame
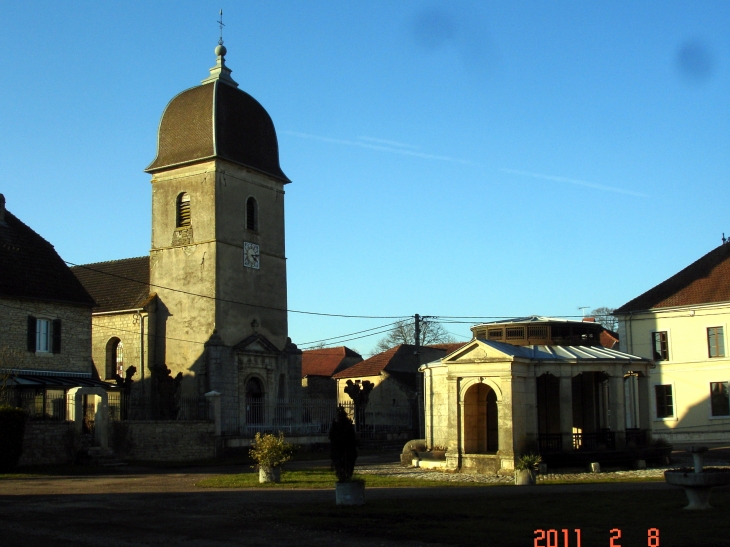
660	345
719	399
664	401
44	335
715	342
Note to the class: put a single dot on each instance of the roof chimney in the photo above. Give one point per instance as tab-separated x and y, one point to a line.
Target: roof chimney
2	208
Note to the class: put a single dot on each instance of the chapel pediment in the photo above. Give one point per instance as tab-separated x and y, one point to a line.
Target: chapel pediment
478	352
256	343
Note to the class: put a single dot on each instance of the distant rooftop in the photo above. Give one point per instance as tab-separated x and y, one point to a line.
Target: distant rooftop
539	330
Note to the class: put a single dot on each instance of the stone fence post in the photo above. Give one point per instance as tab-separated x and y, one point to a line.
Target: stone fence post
214	398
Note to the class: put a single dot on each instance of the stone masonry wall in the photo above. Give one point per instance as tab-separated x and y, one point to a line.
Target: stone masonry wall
163	440
126	327
48	443
75	355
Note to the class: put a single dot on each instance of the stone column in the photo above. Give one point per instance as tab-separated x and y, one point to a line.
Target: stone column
616	402
566	412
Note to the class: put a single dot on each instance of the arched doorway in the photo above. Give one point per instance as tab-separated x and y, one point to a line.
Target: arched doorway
481	420
254	401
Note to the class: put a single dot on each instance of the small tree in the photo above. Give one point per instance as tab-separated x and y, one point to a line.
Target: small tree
343	446
404	332
603	316
270	451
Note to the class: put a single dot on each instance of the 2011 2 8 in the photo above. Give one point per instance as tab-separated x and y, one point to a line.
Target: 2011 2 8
564	538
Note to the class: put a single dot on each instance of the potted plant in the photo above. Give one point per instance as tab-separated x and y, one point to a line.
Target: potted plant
343	453
526	468
270	452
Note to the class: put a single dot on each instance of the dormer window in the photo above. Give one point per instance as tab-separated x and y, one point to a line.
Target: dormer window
183	210
252	214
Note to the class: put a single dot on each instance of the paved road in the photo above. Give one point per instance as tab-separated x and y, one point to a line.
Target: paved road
148	507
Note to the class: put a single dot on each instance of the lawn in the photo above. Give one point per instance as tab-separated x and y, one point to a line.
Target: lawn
626	519
320	477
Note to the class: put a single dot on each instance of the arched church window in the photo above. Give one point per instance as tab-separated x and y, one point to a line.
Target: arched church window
183	210
114	358
252	214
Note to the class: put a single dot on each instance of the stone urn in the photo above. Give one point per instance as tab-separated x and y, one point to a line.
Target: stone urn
698	482
525	477
350	493
269	474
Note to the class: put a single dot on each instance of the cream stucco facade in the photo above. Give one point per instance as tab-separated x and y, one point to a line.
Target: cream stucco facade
685	370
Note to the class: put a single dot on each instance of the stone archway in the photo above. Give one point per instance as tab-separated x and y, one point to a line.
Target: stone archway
481	420
75	402
254	401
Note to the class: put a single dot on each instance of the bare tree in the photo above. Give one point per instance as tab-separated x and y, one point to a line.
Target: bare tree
404	332
604	317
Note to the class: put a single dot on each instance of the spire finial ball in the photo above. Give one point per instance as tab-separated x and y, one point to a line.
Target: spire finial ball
220	50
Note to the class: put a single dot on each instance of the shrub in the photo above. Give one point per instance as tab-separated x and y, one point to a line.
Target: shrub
12	430
529	462
343	446
270	450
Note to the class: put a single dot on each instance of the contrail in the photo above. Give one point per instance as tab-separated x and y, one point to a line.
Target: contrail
379	147
576	181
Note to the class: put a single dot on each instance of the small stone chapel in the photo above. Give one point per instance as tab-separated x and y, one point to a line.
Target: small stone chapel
206	310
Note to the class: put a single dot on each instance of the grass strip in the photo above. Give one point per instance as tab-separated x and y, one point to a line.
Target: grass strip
320	477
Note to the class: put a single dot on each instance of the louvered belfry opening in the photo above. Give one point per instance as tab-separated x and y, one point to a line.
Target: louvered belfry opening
251	214
183	210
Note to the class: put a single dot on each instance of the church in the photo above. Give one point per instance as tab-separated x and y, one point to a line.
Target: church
206	311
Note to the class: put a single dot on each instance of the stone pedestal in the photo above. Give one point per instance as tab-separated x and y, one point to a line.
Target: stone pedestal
269	474
350	493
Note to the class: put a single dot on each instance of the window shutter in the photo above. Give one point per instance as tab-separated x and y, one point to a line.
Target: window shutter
31	333
56	336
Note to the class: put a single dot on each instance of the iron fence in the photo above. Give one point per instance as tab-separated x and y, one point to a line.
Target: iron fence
124	406
38	404
311	416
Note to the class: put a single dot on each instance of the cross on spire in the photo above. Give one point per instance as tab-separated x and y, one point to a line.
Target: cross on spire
220	22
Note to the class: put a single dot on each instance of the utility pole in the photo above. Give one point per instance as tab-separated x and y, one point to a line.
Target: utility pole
420	392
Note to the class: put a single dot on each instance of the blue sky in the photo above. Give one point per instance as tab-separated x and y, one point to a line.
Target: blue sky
478	159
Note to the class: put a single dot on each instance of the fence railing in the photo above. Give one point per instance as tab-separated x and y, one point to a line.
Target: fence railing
311	416
130	407
40	405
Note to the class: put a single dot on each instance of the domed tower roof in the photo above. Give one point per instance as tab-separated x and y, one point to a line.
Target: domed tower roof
217	120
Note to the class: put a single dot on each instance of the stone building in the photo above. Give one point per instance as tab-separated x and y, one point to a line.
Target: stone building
681	324
319	366
534	384
45	320
207	310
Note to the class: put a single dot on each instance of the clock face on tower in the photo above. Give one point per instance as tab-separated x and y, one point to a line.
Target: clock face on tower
251	255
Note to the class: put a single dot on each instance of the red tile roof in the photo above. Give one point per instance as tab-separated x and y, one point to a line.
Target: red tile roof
448	348
324	362
369	367
704	281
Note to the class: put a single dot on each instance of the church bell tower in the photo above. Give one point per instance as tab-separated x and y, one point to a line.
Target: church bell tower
217	260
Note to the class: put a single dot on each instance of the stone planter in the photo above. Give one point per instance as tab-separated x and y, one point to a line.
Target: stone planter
525	477
350	493
697	486
269	474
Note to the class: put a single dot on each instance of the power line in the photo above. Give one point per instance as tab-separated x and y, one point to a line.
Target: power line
215	298
350	334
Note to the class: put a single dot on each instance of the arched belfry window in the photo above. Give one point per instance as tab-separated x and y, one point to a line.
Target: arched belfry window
114	358
252	214
183	210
